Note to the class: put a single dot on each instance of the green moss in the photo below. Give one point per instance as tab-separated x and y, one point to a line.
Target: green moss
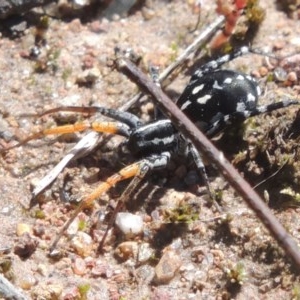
181	214
66	74
81	225
270	77
48	63
5	264
39	214
237	274
83	290
290	192
6	268
254	13
174	47
296	292
218	195
44	22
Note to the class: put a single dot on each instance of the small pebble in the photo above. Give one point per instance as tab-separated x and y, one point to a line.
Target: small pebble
102	270
145	252
129	224
71	292
98	27
6	210
23	228
173	199
145	273
88	76
263	71
126	250
79	266
81	3
47	291
43	269
147	108
278	45
280	74
75	26
148	13
292	76
73	228
167	267
88	61
82	244
39	230
25	246
27	282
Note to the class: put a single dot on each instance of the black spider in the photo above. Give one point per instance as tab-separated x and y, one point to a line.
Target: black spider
212	99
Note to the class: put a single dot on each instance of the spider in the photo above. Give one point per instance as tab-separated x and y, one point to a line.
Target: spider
213	99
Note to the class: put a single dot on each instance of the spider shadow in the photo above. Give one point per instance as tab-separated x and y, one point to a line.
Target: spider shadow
222	233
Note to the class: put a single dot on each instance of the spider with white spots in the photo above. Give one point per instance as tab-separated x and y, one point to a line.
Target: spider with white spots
216	97
213	99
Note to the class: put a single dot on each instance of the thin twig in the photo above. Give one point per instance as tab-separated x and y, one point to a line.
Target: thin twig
272	175
8	291
198	42
204	145
206	34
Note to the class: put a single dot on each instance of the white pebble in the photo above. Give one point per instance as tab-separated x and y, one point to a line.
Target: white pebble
82	244
129	224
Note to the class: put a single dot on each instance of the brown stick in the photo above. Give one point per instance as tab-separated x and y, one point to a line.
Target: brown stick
204	145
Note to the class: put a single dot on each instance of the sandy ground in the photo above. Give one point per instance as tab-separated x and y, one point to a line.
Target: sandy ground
213	256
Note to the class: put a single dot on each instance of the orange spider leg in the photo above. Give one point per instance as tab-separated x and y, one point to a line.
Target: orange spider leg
138	169
104	127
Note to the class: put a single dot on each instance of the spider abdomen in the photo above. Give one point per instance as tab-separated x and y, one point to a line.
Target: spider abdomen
220	92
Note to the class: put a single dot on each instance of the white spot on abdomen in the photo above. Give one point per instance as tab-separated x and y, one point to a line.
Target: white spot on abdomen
185	105
203	100
217	86
228	80
197	89
240	77
250	98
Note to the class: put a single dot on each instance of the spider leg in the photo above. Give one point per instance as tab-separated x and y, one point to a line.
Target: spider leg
123	116
104	127
138	169
202	171
85	145
273	106
217	63
240	116
199	164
